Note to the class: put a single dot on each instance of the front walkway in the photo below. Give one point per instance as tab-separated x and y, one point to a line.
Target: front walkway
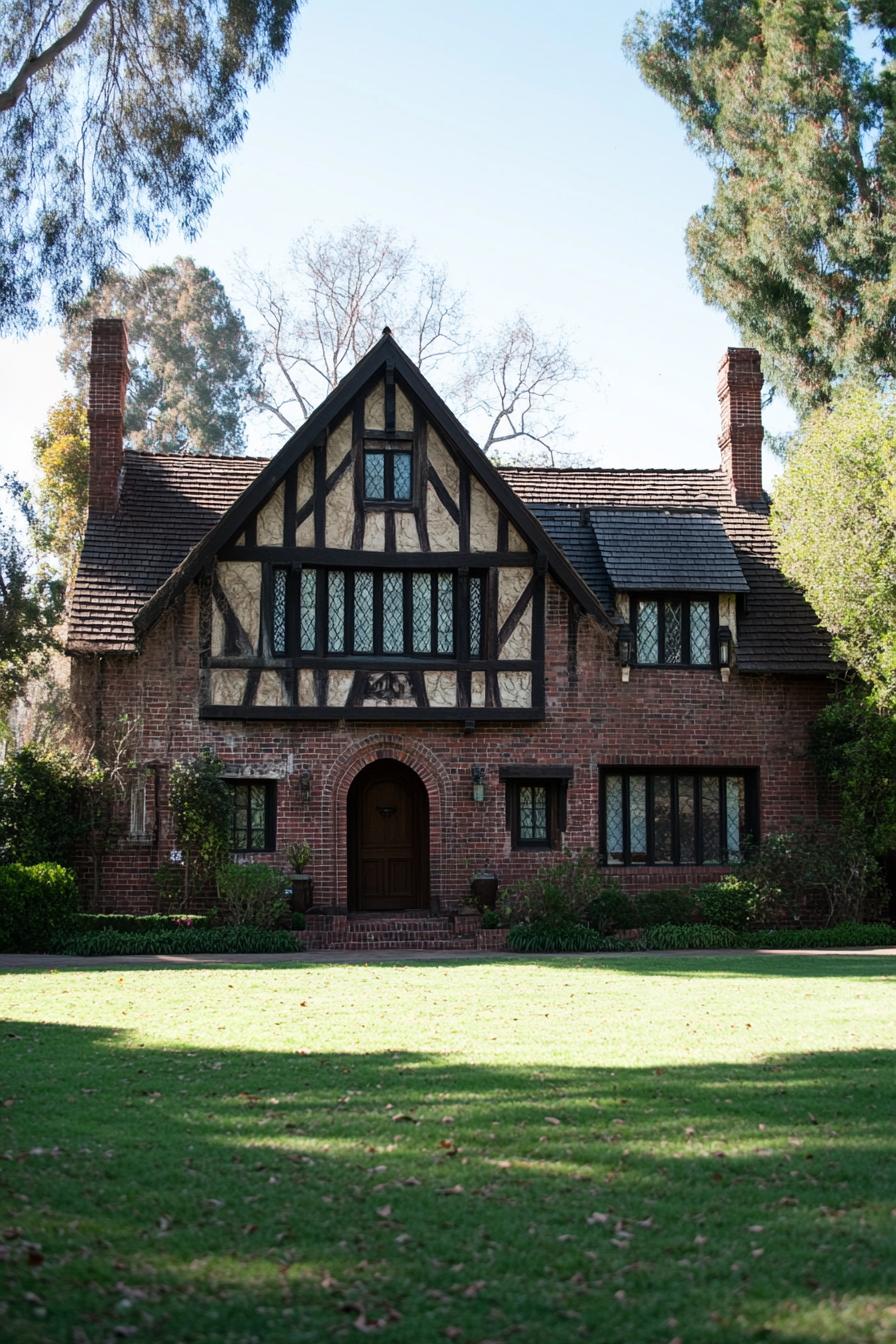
21	962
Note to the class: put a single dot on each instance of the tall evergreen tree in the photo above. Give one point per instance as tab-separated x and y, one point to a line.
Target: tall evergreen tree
793	105
191	358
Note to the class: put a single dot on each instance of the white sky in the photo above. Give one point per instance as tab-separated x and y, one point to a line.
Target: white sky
522	152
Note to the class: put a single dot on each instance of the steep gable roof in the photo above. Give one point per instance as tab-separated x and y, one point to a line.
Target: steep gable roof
777	629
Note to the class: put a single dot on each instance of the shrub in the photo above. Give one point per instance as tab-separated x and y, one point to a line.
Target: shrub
42	806
670	936
37	905
574	890
838	935
732	902
300	855
177	942
673	905
821	860
89	923
168	881
491	919
251	893
543	935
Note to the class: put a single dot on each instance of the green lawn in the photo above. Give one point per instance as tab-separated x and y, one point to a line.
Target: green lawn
634	1149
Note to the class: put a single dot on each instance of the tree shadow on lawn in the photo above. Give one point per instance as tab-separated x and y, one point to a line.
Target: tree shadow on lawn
237	1196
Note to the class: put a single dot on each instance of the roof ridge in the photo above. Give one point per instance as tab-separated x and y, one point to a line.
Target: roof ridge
194	457
621	471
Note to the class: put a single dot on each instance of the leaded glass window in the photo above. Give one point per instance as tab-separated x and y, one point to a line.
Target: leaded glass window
615	824
476	616
672	649
701	636
677	816
421	612
675	631
363	612
648	633
533	806
375	475
252	817
388	471
393	613
445	613
308	611
279	621
401	475
336	611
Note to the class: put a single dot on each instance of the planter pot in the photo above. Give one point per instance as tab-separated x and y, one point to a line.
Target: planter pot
484	891
302	893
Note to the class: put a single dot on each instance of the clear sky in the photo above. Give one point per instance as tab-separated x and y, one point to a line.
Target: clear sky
521	151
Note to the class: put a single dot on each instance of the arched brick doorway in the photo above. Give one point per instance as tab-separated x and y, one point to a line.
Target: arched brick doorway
388	839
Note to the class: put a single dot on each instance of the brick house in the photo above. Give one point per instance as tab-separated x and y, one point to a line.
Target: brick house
426	667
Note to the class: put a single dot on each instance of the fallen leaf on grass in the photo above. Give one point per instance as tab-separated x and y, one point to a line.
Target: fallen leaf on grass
452	1190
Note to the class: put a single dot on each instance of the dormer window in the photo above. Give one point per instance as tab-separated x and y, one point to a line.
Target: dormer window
388	474
675	629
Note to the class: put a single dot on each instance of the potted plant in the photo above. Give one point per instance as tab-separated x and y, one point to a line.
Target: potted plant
299	856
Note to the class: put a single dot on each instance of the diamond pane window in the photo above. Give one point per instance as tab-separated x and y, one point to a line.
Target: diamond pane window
252	815
364	612
421	612
712	821
672	649
401	475
308	610
533	817
670	816
648	633
735	810
279	622
662	819
375	475
336	611
637	818
445	613
393	613
614	815
687	832
476	616
701	650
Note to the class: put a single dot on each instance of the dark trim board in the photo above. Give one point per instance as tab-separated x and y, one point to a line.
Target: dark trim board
360	714
535	772
320	555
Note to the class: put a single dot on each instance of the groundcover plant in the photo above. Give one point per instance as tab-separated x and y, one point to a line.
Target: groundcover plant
696	1148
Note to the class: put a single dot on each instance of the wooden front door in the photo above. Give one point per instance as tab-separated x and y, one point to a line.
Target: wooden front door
388	839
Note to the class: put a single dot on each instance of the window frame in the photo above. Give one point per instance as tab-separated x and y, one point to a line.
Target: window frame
685	598
750	776
555	809
270	814
386	447
460	599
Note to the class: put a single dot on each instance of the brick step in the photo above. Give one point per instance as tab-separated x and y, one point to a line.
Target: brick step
389	945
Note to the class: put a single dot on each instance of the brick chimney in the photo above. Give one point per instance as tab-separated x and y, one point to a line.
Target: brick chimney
109	375
740	398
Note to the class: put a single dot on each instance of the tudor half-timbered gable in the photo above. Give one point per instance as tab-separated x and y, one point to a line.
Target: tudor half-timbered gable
384	571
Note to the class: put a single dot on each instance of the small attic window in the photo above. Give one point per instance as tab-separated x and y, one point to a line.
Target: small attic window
675	629
388	472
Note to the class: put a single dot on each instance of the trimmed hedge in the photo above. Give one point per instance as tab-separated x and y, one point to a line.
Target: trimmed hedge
839	935
88	923
177	942
38	903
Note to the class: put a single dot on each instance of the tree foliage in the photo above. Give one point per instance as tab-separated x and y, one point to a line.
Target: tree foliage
201	812
854	749
834	516
43	805
62	452
330	305
192	360
114	117
30	599
797	243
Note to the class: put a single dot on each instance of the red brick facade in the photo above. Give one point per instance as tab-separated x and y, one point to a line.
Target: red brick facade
666	717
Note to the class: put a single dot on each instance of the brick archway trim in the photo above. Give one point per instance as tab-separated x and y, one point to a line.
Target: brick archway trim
334	806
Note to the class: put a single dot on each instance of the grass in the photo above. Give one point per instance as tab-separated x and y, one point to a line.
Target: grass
646	1150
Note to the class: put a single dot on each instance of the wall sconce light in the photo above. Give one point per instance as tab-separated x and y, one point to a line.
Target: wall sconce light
305	785
478	784
625	645
724	645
